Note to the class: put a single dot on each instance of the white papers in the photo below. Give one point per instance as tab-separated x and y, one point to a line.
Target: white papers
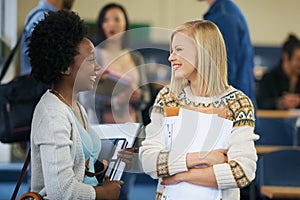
194	131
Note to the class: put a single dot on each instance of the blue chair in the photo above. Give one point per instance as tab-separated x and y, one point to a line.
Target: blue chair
144	188
279	168
274	131
9	175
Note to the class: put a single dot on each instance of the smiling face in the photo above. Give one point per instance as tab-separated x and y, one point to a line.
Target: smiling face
198	58
183	56
84	70
114	22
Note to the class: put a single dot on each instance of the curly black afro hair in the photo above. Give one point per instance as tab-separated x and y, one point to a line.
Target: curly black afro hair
53	45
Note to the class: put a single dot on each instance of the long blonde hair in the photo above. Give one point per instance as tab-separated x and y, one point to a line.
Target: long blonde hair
212	58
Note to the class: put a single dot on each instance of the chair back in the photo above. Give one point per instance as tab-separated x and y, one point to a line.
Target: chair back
279	168
276	131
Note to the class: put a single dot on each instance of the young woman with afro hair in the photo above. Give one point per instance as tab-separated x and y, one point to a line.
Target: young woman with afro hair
63	145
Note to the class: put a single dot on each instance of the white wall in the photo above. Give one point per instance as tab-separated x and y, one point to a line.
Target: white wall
269	20
5	153
9	31
10	25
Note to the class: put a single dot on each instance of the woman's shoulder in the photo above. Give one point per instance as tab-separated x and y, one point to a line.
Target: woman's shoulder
234	95
51	115
166	98
160	100
49	104
240	107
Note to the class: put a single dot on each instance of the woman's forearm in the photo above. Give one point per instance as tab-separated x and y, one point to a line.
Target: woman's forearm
214	157
197	176
195	159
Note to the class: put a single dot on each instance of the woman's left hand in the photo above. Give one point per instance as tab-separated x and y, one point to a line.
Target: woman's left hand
136	95
171	180
128	156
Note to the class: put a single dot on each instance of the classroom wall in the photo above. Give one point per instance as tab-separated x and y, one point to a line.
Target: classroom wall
269	20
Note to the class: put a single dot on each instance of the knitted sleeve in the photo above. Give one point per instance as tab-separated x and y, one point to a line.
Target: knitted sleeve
242	157
53	139
156	160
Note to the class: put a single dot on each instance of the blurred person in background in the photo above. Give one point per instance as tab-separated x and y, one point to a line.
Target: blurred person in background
240	53
36	15
280	87
113	54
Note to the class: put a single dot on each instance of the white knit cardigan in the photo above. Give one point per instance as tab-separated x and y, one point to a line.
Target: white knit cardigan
57	159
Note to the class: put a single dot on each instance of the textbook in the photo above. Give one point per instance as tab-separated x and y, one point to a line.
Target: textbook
194	131
113	84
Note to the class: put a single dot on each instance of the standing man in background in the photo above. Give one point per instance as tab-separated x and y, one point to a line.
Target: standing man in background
240	54
37	14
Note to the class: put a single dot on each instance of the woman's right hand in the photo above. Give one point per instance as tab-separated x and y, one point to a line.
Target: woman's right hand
214	157
108	189
218	156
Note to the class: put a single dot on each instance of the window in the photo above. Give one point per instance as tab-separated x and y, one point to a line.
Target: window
8	31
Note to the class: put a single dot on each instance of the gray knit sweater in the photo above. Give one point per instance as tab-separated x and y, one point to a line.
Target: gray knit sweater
57	159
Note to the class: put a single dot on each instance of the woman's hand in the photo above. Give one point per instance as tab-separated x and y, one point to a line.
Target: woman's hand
289	101
136	95
218	156
198	176
128	156
108	189
171	180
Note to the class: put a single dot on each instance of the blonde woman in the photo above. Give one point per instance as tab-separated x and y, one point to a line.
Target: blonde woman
199	81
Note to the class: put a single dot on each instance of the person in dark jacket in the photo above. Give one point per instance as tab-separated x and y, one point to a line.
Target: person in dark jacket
240	54
280	88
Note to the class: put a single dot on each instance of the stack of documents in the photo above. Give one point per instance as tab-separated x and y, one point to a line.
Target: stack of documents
193	131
